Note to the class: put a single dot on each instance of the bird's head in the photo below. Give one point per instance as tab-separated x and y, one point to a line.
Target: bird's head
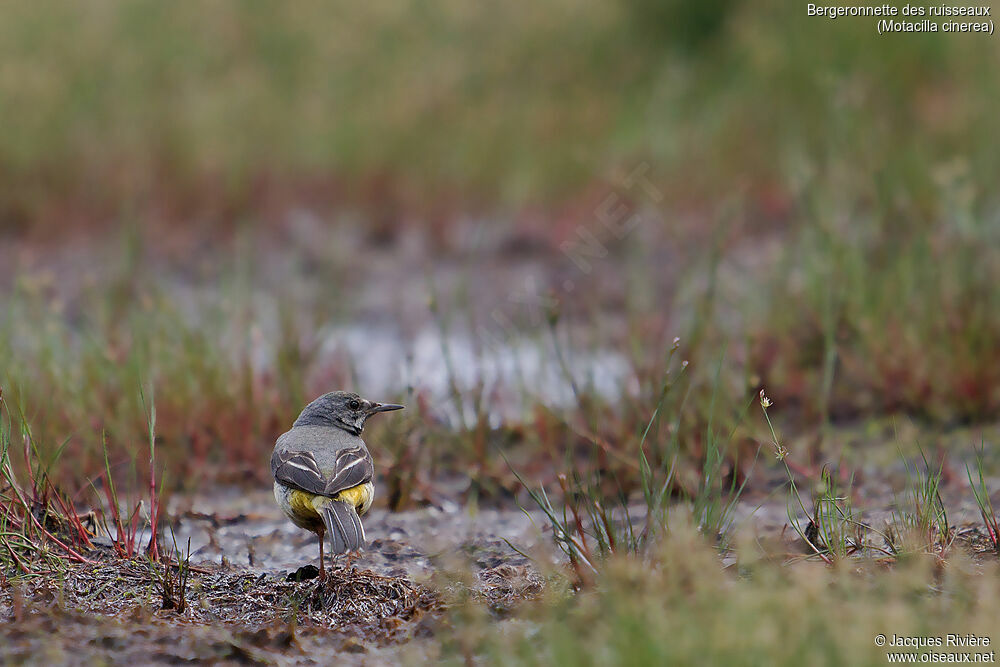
342	409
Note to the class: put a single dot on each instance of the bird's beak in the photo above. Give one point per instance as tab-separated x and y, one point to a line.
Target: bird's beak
384	407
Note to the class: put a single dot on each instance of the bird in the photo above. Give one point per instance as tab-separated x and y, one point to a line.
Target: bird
323	471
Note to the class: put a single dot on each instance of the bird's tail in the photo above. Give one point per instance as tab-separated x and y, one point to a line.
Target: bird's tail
343	525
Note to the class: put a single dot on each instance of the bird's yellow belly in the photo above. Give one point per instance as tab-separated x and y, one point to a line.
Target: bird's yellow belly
360	496
303	507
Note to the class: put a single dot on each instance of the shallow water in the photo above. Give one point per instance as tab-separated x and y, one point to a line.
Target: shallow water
513	374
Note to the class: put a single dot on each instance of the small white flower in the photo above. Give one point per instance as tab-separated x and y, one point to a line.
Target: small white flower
765	402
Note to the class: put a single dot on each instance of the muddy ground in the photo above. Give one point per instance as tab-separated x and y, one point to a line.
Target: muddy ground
385	606
243	603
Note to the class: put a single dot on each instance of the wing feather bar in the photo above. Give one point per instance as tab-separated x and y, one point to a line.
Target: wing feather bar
298	469
354	467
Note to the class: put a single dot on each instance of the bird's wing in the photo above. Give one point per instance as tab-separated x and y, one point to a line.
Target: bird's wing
299	470
353	466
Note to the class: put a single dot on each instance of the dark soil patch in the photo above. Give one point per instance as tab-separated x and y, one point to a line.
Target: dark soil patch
120	608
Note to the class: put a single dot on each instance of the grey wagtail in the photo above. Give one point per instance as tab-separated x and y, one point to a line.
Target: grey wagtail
323	472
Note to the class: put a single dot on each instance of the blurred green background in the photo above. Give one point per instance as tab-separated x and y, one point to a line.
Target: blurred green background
106	104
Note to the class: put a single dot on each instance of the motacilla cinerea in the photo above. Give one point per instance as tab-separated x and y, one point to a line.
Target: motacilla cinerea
323	472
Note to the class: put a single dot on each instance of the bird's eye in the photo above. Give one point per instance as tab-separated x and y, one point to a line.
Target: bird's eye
354	405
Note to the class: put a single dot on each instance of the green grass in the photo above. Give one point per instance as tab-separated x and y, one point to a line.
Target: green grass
873	317
670	600
152	96
515	104
40	529
591	519
680	609
985	504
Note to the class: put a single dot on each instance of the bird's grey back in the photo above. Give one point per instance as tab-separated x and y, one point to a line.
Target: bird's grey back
323	441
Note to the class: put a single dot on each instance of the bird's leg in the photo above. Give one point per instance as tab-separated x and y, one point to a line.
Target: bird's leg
322	568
